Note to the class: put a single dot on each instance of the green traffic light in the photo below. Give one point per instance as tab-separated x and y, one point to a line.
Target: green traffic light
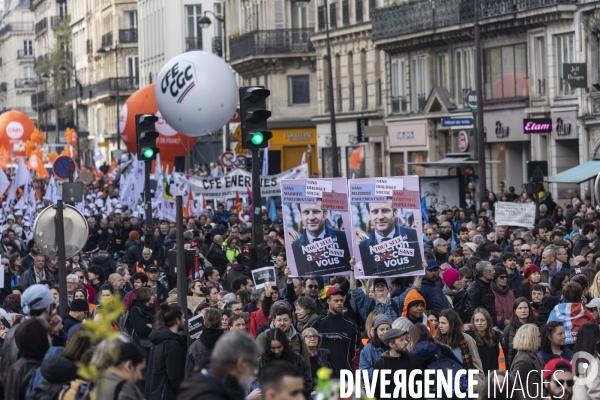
148	152
257	138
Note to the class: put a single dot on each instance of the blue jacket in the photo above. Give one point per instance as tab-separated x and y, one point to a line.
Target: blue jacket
368	356
515	280
434	297
363	303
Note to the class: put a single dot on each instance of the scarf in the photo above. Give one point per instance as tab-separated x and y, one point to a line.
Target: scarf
466	355
303	322
317	357
499	290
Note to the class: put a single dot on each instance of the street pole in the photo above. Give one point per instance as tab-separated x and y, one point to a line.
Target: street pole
479	122
63	308
77	115
149	236
334	148
182	288
257	225
117	93
56	107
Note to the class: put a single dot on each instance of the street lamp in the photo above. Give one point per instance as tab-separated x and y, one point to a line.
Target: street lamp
102	51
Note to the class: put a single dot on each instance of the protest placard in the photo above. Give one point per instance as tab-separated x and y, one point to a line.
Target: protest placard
315	213
514	214
264	276
196	325
386	221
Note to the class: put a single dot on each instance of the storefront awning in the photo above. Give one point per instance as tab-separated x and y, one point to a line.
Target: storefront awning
450	161
578	174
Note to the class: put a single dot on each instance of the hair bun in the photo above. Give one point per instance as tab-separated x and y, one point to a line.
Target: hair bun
164	306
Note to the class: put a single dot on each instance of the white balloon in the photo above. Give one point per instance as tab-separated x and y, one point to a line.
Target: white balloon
196	93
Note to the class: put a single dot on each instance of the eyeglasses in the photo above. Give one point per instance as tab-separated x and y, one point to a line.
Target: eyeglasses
430	234
310	337
568	382
503	277
312	286
525	250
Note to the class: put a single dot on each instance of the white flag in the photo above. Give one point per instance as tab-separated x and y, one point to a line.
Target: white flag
265	166
20	179
51	191
4	182
303	158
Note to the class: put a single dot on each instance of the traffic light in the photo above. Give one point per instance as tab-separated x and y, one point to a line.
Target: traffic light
248	256
146	137
253	116
264	256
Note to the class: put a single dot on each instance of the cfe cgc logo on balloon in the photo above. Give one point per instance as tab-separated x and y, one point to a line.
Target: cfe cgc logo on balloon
179	80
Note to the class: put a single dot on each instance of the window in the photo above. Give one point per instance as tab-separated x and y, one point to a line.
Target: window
27	47
506	72
321	17
131	20
419	88
464	73
62	10
299	16
345	12
351	80
218	24
540	65
443	71
564	49
358	9
28	73
398	85
333	15
299	90
133	66
193	13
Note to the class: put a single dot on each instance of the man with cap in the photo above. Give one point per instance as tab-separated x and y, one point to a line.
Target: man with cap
244	236
493	250
592	307
480	293
504	297
341	335
469	250
558	381
37	301
78	312
431	290
161	292
133	250
397	358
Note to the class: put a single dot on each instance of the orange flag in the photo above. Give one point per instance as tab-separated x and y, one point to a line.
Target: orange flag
237	207
35	163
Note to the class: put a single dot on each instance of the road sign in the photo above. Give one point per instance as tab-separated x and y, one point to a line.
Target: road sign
226	159
236	116
240	161
63	167
472	100
237	135
239	149
463	141
76	231
457	121
537	170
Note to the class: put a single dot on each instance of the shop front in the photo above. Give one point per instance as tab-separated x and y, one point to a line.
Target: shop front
289	145
408	145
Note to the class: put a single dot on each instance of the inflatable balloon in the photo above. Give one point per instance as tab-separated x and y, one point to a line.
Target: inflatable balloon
196	93
171	143
15	127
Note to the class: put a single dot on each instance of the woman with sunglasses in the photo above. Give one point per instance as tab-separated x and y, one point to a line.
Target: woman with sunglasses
319	357
587	342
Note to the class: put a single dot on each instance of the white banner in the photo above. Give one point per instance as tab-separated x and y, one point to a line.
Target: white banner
515	214
226	186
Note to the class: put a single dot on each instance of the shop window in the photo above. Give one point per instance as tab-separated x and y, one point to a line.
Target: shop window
327	159
416	157
355	157
506	72
397	164
564	50
299	90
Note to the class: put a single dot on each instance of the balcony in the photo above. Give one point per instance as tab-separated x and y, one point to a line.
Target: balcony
217	45
42	99
276	41
25	55
423	15
193	43
128	35
58	22
41	25
399	104
28	83
16	27
107	39
109	86
3	87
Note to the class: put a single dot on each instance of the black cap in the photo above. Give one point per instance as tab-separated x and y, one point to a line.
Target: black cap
152	268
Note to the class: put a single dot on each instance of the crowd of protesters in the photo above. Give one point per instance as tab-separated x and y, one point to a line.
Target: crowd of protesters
492	298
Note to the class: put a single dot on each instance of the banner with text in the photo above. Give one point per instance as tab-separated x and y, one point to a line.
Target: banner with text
316	222
386	221
236	181
515	214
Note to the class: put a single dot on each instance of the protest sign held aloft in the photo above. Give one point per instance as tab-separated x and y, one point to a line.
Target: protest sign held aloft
315	213
386	219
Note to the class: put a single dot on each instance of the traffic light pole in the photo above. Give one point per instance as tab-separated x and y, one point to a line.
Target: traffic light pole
149	236
257	225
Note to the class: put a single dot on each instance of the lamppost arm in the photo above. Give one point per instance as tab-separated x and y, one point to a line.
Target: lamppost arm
220	19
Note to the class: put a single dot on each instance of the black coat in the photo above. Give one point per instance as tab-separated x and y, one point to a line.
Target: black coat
217	258
134	254
106	261
166	364
139	316
480	295
202	386
201	349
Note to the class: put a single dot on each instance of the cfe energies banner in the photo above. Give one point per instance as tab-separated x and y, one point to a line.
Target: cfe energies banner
316	222
514	214
226	186
386	221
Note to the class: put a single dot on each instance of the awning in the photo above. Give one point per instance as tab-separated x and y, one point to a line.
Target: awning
450	161
578	174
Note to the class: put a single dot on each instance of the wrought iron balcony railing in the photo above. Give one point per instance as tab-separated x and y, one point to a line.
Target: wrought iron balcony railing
193	43
128	35
41	25
107	39
399	104
420	15
58	22
109	86
25	83
217	45
274	41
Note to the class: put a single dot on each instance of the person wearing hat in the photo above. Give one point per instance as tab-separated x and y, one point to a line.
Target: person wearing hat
161	292
335	325
430	288
593	307
375	348
533	276
452	284
493	250
78	312
504	297
415	310
469	250
558	381
480	293
133	250
397	358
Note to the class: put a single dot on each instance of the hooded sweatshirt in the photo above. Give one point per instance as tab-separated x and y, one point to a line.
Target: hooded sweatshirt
201	349
166	364
411	296
572	315
295	340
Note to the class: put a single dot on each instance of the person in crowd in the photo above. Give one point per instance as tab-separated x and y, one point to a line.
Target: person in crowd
277	348
133	250
425	348
282	381
430	288
526	343
124	371
237	323
452	284
139	280
434	318
480	293
202	349
558	282
37	272
588	385
141	316
533	276
538	292
117	283
487	340
415	310
571	312
522	314
504	297
375	348
306	312
553	343
558	380
79	310
160	291
319	357
166	362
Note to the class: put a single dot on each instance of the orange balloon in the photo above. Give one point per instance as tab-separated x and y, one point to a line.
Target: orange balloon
15	127
52	156
38	137
171	143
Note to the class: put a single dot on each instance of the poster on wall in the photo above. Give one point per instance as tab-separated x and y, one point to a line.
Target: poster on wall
386	221
441	192
316	221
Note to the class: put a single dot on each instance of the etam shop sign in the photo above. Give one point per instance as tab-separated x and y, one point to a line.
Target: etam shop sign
546	125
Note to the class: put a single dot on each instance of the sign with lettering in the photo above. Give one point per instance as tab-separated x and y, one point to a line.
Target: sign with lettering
457	121
575	74
316	223
537	125
472	100
515	214
386	221
360	130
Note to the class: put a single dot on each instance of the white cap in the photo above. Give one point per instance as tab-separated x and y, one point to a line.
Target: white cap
19	213
10	216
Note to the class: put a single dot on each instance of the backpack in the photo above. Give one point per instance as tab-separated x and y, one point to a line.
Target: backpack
442	363
125	326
